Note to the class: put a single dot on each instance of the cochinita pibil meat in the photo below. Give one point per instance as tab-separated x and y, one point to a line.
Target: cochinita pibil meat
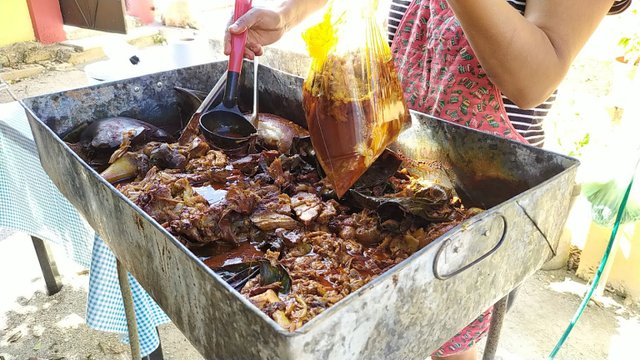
269	222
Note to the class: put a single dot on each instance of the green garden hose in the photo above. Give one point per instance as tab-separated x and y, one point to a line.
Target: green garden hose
596	278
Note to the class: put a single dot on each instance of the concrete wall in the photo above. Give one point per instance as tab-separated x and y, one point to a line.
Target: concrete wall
15	22
624	262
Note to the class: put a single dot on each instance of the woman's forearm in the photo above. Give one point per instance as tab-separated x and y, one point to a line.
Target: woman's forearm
528	56
295	11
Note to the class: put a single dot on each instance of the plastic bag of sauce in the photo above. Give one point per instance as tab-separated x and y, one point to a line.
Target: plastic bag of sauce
352	98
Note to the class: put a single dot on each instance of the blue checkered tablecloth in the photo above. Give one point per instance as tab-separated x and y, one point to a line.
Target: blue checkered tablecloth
30	203
105	308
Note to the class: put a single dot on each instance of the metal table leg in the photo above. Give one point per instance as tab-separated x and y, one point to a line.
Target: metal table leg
497	319
47	265
157	353
132	326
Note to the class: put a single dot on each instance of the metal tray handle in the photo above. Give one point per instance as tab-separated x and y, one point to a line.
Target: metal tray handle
436	260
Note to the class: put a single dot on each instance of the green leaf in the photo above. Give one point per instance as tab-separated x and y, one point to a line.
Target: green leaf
270	274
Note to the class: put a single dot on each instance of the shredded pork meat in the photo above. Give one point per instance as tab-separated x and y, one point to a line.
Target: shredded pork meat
308	250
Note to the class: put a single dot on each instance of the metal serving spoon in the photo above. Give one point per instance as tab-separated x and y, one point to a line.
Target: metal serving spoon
254	115
225	125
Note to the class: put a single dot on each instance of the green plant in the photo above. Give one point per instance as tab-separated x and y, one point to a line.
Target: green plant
159	39
577	151
630	45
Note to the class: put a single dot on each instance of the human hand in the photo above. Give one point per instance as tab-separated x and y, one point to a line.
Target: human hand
264	26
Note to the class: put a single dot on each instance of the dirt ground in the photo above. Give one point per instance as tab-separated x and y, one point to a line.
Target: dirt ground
34	325
46	83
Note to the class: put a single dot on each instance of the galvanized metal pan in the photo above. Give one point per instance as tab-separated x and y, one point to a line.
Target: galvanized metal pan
404	314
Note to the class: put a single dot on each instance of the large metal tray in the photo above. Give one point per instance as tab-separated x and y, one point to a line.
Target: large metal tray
404	314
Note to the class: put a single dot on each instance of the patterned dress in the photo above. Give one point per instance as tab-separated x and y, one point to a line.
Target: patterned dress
441	76
528	122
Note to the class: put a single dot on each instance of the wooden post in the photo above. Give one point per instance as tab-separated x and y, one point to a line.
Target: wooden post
46	19
130	313
47	265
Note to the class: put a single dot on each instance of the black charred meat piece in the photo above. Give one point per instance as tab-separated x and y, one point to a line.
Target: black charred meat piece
97	141
433	204
378	174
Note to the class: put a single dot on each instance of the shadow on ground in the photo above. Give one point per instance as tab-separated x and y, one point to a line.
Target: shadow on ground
53	327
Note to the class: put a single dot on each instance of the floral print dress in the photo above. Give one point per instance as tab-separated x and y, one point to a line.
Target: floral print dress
442	77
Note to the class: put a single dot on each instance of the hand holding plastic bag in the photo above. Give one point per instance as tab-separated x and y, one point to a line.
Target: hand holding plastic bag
352	97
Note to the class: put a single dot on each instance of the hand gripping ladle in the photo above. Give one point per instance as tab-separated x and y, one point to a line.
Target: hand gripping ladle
225	125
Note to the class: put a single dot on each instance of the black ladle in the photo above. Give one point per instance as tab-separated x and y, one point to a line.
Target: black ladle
225	125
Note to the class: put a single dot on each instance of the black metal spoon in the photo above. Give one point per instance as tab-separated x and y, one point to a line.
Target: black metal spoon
225	125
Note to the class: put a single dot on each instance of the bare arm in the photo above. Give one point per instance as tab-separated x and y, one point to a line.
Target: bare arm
528	56
266	26
295	11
